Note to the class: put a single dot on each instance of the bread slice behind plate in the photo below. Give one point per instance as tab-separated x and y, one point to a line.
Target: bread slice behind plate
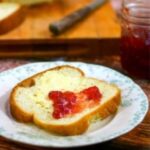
29	101
11	16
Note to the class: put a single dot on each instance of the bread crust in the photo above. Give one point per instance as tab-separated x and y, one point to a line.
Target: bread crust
13	21
75	128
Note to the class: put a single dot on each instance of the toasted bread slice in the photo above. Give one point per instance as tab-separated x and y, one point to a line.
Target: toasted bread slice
11	15
29	101
27	2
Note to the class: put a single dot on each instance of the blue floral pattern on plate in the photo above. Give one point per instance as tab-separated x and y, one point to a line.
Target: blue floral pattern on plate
133	108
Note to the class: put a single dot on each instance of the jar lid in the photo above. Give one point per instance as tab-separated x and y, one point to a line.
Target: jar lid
138	13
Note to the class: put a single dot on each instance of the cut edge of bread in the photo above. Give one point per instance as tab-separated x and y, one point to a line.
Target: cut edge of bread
15	17
73	128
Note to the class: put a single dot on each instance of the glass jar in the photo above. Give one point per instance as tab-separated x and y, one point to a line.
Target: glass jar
135	38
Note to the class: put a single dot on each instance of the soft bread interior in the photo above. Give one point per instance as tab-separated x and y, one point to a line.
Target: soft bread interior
6	9
34	99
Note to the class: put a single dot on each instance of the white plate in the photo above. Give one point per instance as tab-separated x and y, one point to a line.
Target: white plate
131	112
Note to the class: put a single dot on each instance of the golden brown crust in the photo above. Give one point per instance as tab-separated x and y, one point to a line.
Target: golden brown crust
18	113
75	128
13	20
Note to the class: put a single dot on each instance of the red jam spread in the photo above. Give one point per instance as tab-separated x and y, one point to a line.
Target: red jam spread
135	53
68	103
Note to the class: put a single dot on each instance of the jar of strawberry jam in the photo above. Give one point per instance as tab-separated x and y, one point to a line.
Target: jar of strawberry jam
135	39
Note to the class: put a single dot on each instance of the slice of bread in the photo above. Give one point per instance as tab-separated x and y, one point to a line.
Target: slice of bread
29	101
11	15
27	2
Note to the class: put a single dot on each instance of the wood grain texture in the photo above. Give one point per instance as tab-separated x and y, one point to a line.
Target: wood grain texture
102	23
50	50
138	138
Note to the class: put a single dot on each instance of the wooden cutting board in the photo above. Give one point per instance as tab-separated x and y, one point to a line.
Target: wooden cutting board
102	23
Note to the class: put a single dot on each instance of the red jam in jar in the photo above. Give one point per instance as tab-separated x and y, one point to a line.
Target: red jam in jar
68	103
135	40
